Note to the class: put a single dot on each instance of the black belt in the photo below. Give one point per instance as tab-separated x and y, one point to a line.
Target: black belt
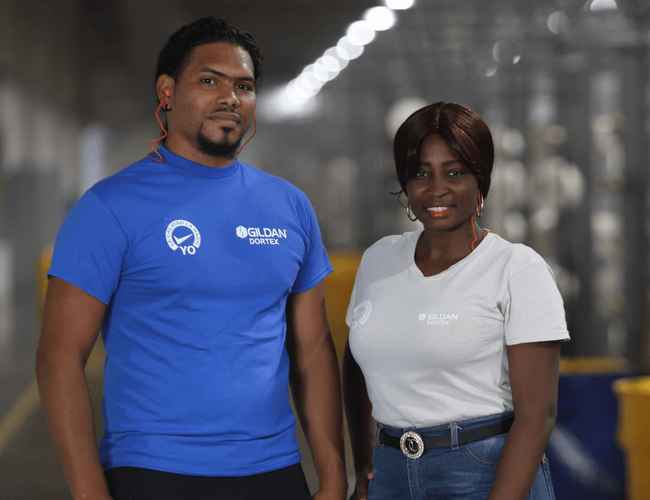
413	444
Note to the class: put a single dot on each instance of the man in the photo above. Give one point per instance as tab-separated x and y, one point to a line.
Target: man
187	261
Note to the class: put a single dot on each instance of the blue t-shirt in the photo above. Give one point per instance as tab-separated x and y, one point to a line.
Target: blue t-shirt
195	265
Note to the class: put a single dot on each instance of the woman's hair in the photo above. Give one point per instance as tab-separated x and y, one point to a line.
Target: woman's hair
462	129
175	53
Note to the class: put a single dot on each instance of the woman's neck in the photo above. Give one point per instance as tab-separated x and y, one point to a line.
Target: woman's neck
436	251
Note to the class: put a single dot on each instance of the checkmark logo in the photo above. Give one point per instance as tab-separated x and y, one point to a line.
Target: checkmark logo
176	242
182	239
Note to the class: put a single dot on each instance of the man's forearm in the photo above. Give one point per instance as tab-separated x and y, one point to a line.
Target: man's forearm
65	399
317	395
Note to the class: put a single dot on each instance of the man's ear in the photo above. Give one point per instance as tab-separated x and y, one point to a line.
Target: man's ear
165	91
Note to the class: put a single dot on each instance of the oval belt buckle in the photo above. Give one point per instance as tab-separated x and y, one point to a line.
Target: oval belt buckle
411	444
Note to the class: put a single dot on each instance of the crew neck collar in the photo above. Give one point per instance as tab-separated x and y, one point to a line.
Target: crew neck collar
413	267
199	169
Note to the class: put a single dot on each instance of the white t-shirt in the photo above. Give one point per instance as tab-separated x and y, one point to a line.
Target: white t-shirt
433	349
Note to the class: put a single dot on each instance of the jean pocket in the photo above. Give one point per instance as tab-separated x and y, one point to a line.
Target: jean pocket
486	451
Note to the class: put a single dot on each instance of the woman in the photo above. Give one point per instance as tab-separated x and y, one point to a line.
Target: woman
454	335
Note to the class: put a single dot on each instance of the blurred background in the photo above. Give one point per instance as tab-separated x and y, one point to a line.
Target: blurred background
563	85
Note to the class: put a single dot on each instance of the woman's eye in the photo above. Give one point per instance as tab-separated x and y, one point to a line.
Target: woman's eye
455	173
422	174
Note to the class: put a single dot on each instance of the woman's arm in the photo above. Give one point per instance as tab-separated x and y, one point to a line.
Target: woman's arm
534	369
360	423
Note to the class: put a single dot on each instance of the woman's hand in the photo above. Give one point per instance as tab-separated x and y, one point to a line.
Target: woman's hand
361	490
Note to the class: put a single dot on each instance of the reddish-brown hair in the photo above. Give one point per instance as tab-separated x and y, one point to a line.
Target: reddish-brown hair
461	128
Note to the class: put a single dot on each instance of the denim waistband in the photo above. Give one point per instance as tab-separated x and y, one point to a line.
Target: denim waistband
451	427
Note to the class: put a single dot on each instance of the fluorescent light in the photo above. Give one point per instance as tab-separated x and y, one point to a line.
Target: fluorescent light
347	50
331	63
333	52
380	18
308	80
399	4
322	73
360	33
601	5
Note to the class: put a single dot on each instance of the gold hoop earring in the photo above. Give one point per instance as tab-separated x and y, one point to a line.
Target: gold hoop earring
479	205
409	213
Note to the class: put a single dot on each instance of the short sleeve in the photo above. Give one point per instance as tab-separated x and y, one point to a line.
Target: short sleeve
316	265
356	291
536	310
90	248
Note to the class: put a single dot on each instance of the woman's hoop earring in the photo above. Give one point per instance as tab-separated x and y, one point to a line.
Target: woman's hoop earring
479	205
406	206
409	213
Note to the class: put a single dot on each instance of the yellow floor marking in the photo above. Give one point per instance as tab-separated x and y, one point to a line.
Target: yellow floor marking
28	402
22	409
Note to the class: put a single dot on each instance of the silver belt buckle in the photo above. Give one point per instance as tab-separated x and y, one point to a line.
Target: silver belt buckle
411	444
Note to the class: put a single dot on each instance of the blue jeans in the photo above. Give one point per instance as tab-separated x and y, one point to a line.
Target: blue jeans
464	472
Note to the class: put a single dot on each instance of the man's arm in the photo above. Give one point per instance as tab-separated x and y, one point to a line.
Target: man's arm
71	322
316	388
534	372
360	422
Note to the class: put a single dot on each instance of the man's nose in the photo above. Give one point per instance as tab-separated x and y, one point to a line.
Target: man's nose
229	95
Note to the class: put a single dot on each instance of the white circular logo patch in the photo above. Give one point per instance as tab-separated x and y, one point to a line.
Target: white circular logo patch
178	236
361	313
241	231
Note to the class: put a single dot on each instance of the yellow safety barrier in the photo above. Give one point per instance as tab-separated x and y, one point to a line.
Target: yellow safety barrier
593	365
338	288
43	266
634	433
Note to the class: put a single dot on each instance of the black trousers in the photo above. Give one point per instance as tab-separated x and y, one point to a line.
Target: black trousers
131	483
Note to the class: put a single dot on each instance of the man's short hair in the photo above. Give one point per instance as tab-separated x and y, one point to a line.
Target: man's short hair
175	53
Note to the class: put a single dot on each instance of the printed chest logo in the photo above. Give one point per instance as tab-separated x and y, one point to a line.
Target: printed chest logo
261	235
437	319
361	314
184	236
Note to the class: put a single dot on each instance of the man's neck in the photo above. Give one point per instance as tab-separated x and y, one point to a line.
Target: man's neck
181	148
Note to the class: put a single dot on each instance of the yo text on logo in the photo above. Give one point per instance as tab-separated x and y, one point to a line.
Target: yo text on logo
178	237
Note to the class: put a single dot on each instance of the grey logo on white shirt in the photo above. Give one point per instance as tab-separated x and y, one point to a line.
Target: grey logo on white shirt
361	313
437	319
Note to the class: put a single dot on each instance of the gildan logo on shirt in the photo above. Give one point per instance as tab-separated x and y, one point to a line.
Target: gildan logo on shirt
261	235
184	236
437	319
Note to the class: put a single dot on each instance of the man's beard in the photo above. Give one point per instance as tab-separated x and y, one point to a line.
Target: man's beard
223	149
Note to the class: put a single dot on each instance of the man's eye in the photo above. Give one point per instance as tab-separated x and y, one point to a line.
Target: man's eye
208	81
246	87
